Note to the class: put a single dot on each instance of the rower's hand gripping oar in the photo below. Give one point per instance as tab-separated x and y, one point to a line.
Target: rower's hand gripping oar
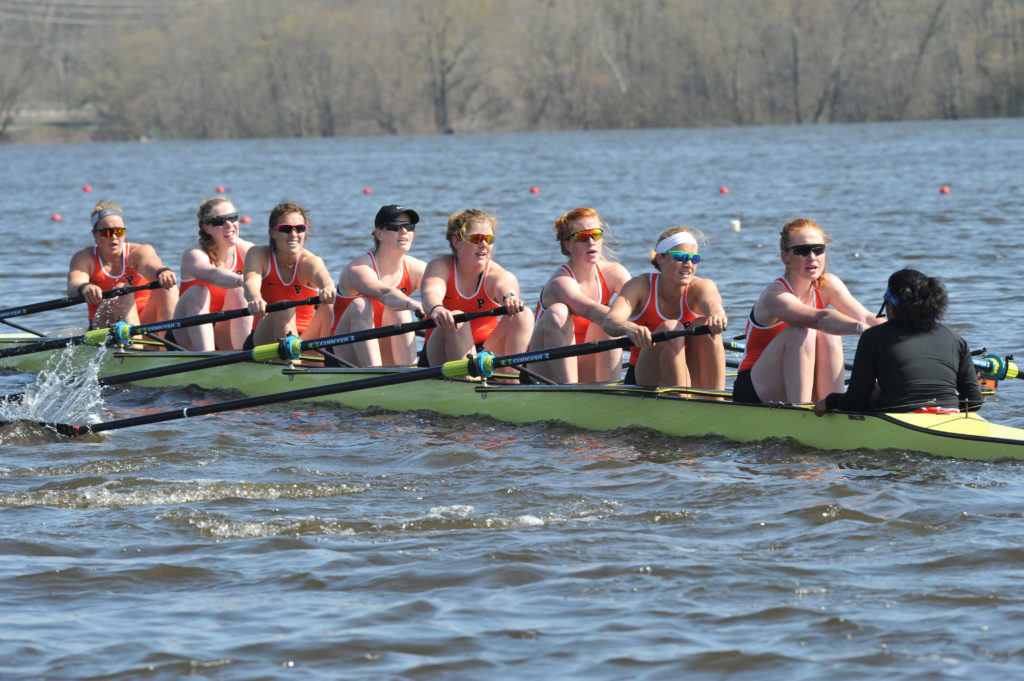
480	365
121	333
287	348
57	303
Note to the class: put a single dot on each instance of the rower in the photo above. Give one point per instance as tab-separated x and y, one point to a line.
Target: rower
574	301
794	351
469	280
910	362
374	290
113	262
211	279
285	270
672	298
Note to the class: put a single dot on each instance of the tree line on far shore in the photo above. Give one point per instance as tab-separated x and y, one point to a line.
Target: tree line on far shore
270	68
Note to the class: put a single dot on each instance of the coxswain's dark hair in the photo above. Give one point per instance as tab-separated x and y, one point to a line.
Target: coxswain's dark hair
920	300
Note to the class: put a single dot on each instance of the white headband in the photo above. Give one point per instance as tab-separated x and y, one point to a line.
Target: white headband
666	244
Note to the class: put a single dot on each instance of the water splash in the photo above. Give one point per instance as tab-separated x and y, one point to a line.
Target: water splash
66	390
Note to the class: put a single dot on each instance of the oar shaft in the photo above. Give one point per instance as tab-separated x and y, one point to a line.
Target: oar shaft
274	350
588	348
99	336
57	303
257	401
453	369
393	330
221	316
993	367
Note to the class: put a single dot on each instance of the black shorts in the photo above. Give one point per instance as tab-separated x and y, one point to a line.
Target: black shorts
630	378
743	389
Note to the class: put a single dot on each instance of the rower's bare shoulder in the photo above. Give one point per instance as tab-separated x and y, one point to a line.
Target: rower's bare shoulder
441	266
256	258
615	274
82	257
361	260
140	254
415	265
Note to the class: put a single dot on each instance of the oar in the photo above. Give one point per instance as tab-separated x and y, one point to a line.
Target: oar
71	300
19	327
481	365
122	332
996	367
991	367
740	346
286	348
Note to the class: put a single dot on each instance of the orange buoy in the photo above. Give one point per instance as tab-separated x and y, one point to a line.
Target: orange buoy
56	217
367	191
944	189
535	190
86	187
723	190
245	219
220	189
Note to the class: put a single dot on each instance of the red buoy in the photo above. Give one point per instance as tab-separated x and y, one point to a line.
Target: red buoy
944	189
367	191
535	190
56	217
220	189
86	187
245	219
723	190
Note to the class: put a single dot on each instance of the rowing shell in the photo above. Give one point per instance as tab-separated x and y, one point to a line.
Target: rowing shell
673	412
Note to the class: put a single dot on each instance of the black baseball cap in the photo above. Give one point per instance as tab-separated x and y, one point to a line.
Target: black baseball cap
388	214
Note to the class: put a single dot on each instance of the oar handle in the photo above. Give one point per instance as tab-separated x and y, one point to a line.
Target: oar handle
57	303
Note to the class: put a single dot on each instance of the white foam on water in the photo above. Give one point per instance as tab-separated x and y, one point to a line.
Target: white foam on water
67	390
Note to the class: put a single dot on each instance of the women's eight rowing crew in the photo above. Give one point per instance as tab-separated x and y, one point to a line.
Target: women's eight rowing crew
793	352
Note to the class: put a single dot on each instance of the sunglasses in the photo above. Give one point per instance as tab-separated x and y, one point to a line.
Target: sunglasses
804	250
683	256
288	229
395	226
221	219
107	232
887	298
587	234
479	238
